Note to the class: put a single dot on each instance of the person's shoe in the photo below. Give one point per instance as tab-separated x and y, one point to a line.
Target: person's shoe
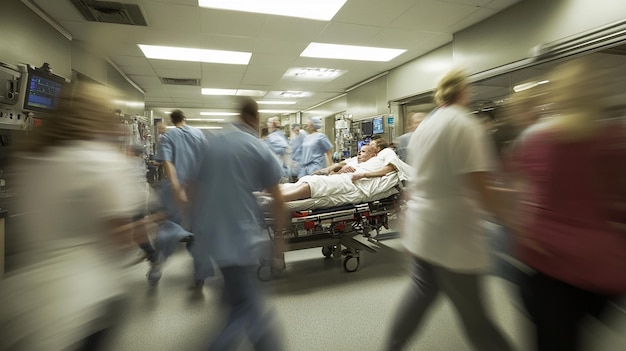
198	283
155	272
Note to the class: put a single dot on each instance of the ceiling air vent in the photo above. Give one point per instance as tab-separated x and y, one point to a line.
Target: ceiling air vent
110	12
181	81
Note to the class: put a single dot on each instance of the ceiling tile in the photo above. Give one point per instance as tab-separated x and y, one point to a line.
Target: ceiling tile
159	17
231	23
433	16
344	33
477	16
292	29
372	12
401	38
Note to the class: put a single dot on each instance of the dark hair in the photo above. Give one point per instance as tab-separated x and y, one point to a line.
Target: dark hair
264	132
249	107
177	116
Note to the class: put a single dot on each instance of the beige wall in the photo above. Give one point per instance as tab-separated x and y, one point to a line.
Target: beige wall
510	35
26	38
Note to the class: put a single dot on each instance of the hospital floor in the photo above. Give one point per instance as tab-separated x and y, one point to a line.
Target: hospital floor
321	307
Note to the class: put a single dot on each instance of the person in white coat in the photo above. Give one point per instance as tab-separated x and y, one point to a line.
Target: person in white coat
443	232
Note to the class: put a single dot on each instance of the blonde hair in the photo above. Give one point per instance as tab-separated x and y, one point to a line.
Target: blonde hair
450	86
83	113
577	90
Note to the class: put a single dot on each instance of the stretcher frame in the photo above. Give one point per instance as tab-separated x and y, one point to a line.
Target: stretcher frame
334	230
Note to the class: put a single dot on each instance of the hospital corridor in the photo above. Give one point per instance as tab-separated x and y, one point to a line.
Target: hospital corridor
303	175
320	307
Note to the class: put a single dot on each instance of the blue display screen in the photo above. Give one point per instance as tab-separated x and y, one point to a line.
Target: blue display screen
42	93
378	125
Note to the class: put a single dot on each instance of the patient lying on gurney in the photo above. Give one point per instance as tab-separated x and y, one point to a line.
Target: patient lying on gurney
371	175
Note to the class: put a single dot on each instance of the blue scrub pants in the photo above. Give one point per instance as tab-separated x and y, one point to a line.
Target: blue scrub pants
242	293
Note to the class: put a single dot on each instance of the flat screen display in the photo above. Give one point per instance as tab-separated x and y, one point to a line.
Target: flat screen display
367	128
42	93
378	125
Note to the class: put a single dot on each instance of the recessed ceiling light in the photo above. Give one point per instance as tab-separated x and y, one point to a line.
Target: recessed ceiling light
205	119
314	73
232	92
276	102
218	113
350	52
276	111
294	94
529	85
322	10
241	92
195	55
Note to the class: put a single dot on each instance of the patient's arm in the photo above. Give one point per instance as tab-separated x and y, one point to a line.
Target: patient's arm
332	168
377	173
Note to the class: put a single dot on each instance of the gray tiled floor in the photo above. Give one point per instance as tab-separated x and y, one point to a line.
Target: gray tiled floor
319	307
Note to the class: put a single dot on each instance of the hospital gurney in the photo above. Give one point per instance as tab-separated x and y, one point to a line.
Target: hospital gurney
334	228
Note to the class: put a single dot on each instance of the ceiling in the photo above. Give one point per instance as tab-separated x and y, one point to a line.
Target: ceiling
418	26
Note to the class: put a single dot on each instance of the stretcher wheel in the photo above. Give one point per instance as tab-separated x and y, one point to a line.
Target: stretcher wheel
327	251
264	273
351	264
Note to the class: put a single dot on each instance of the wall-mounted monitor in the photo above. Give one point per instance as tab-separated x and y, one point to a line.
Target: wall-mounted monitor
367	128
43	91
377	124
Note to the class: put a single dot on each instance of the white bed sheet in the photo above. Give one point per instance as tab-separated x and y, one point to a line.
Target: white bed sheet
337	200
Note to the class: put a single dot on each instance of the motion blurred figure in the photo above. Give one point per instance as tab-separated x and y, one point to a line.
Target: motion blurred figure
316	149
443	232
572	231
403	140
226	215
179	151
297	138
278	143
67	294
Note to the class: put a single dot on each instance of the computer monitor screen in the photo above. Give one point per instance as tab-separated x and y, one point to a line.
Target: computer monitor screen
367	128
42	92
378	125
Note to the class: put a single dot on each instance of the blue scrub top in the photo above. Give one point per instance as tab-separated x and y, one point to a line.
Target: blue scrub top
225	213
182	147
277	141
314	148
296	146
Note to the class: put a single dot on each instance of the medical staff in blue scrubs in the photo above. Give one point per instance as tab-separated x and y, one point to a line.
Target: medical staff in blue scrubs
316	149
277	141
225	215
178	152
297	138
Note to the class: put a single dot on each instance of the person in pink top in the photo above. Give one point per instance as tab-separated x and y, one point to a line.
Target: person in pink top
571	227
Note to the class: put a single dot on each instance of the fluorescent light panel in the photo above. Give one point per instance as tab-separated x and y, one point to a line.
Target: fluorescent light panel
205	119
218	113
314	73
276	102
350	52
232	92
195	55
276	111
322	10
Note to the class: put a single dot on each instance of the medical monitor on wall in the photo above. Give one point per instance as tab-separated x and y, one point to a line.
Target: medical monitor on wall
42	91
378	127
367	128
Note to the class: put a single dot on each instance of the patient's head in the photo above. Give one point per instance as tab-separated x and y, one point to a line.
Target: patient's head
378	144
365	153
